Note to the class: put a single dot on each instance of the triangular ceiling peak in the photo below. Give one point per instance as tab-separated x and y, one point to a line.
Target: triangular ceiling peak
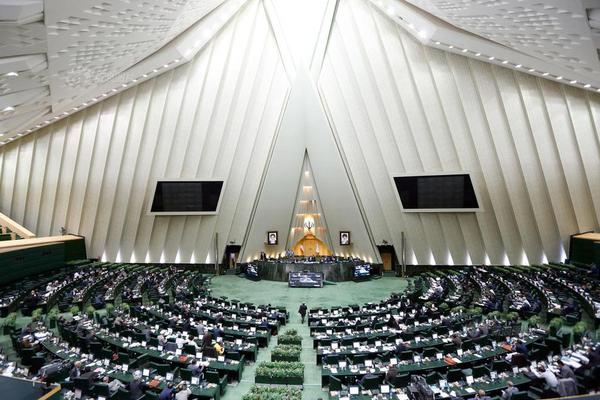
308	217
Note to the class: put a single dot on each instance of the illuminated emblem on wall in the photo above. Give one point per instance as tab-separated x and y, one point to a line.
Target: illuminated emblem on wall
309	224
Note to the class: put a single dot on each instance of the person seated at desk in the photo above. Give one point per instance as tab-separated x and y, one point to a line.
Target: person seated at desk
481	396
366	378
547	375
264	323
521	348
75	371
593	358
401	346
162	340
569	308
391	374
197	369
473	333
137	387
167	393
484	329
183	392
219	349
206	340
114	385
565	372
456	340
508	393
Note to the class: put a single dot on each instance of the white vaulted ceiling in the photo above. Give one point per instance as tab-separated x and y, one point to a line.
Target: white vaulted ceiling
369	88
59	56
556	31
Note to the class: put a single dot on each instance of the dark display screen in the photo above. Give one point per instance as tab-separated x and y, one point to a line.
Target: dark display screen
361	271
436	192
305	279
186	196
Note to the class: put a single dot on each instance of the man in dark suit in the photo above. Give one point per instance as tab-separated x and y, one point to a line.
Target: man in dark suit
196	368
391	374
521	348
75	371
302	311
137	387
593	357
509	392
565	372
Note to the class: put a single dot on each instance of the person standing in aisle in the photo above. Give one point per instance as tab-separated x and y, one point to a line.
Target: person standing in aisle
302	311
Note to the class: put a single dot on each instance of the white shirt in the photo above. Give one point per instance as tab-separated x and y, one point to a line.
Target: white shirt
183	394
550	378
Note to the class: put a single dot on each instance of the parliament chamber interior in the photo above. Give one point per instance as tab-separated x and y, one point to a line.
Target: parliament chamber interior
299	199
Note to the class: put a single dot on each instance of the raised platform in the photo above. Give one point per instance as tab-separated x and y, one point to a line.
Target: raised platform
278	271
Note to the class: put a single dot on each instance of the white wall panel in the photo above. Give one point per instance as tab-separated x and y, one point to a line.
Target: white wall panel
94	172
532	148
530	145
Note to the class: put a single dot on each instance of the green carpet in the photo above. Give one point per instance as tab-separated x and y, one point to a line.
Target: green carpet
279	294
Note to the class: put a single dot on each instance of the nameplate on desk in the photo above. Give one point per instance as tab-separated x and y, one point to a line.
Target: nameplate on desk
195	380
125	367
146	372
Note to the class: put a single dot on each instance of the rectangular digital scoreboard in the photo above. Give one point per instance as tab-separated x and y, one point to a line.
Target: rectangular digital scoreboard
305	279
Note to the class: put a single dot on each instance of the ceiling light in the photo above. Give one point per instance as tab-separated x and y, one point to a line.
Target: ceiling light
124	84
558	78
587	86
477	54
545	74
505	62
465	50
491	58
145	76
574	81
11	74
85	104
437	43
155	70
176	60
423	34
518	66
531	69
166	66
8	109
450	47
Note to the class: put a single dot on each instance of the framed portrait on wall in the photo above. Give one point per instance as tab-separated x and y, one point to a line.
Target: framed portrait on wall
272	238
344	238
